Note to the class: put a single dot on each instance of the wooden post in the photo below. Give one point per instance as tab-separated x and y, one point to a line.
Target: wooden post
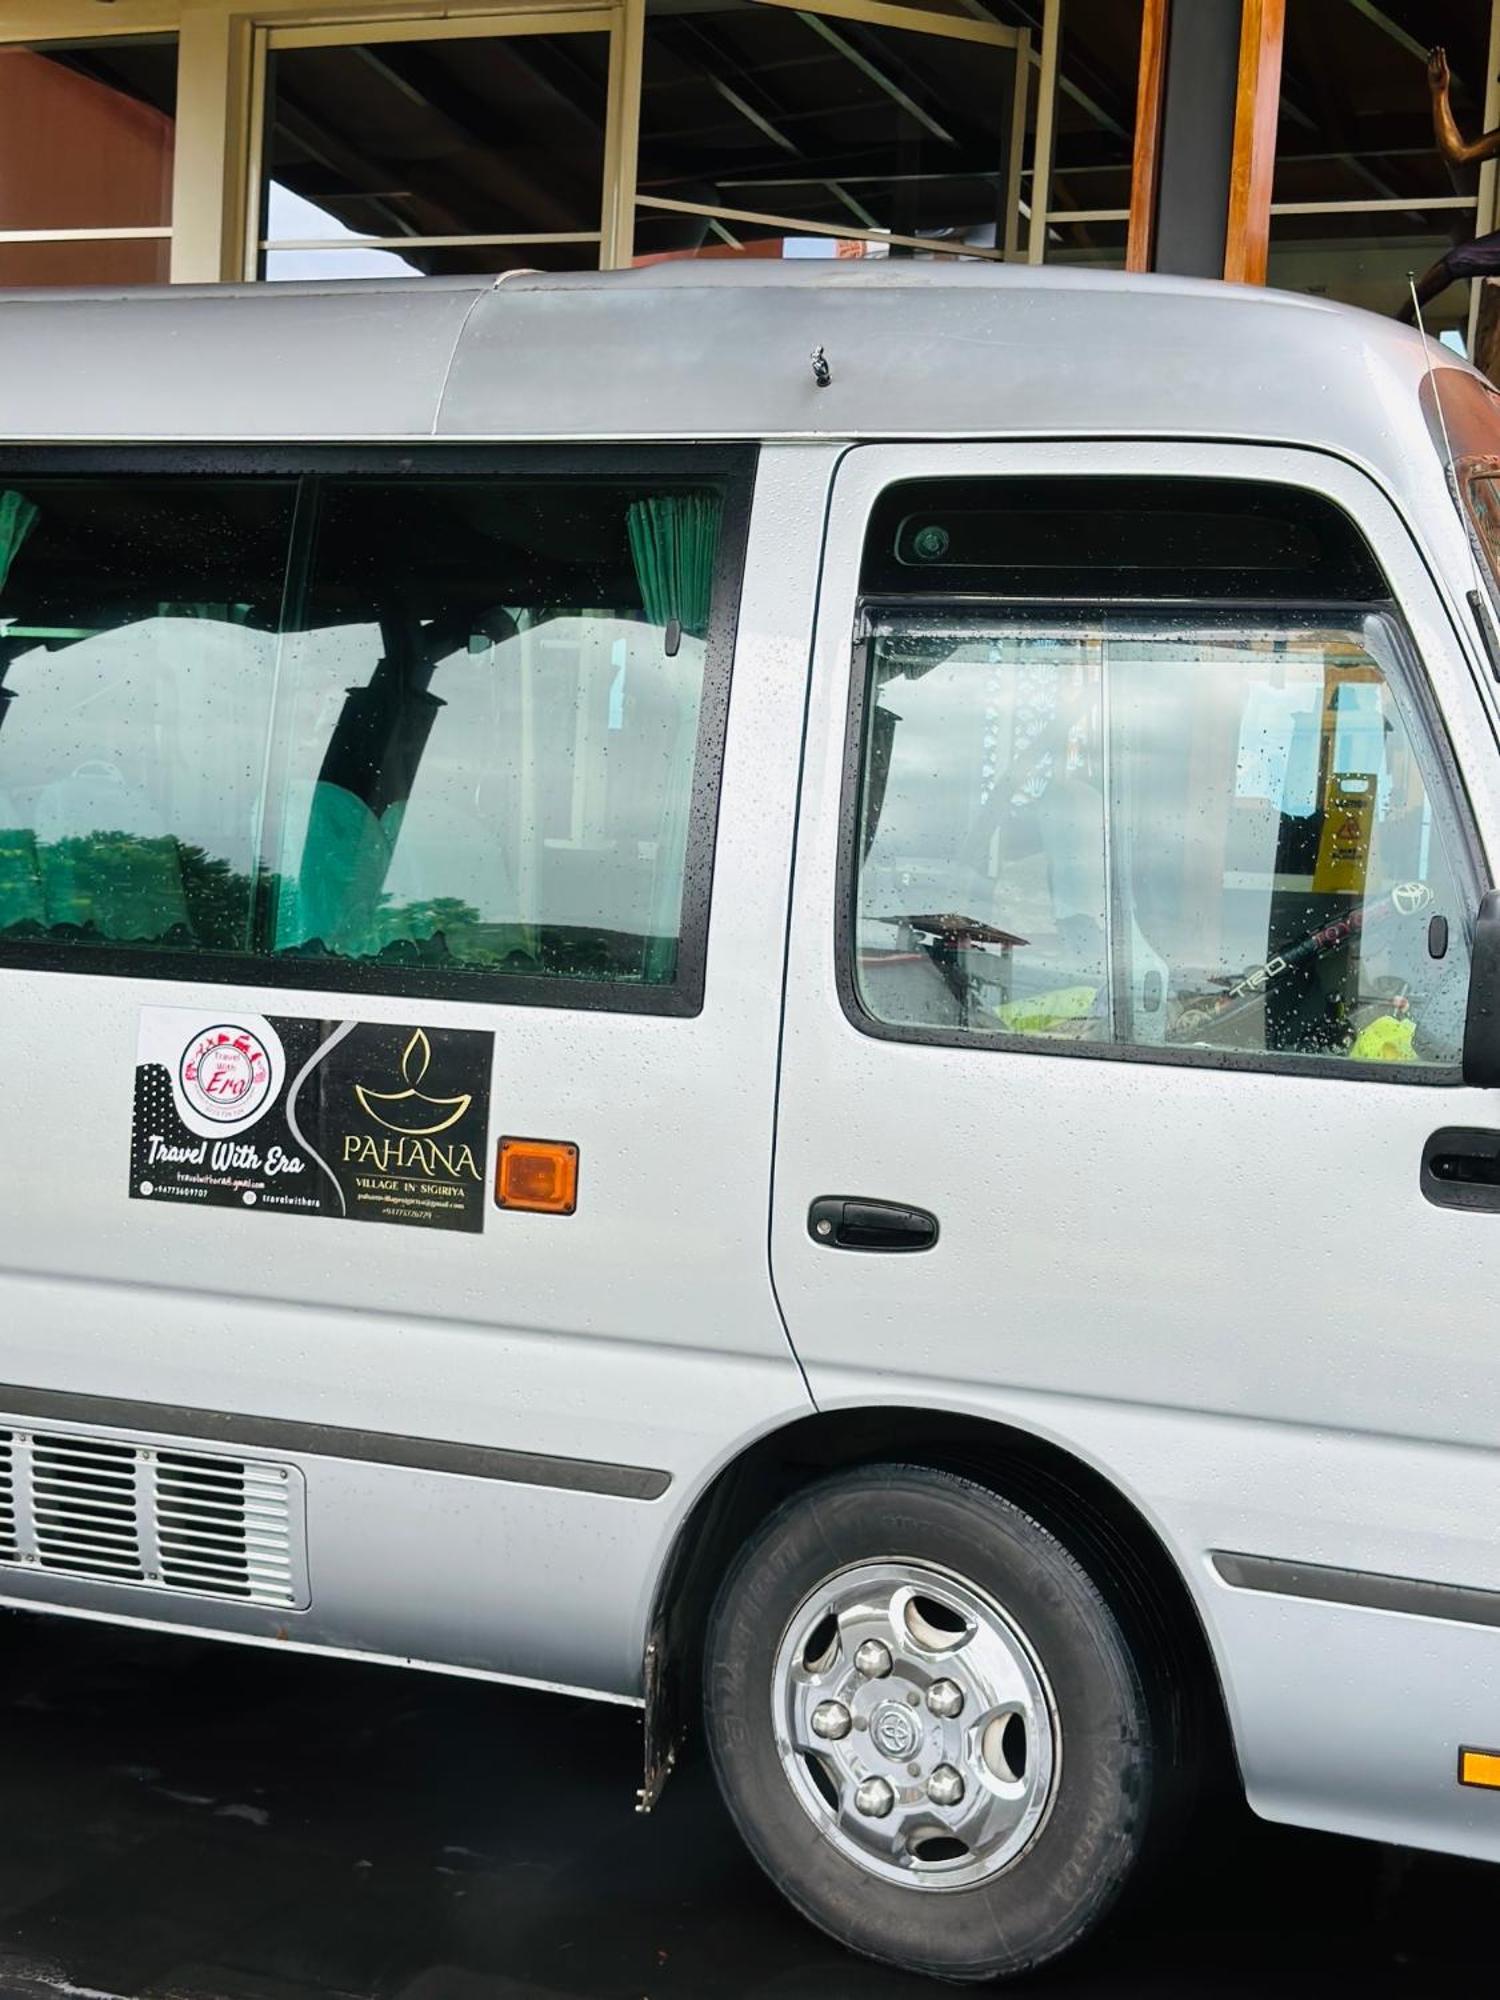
1145	167
1248	239
209	191
1046	131
1020	97
622	135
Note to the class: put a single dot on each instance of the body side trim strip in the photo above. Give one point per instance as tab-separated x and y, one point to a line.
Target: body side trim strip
12	1599
221	1427
1369	1590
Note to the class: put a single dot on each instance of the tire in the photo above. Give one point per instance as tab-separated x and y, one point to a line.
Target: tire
998	1898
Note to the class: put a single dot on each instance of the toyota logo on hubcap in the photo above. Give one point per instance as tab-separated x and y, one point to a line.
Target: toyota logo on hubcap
895	1730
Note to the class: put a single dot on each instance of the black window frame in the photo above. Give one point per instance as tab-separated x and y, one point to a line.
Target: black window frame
733	465
1413	687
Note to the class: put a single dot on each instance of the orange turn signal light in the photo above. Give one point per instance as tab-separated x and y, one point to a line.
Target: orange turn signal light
1480	1767
537	1174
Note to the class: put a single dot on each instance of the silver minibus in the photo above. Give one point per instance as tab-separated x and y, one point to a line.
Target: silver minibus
862	893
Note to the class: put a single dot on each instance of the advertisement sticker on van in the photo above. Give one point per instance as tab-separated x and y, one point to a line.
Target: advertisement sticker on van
358	1121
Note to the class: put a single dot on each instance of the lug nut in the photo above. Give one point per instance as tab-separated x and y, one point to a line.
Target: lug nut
946	1698
873	1660
945	1787
875	1798
830	1719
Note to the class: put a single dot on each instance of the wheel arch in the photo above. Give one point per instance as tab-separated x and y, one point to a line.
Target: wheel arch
1077	1502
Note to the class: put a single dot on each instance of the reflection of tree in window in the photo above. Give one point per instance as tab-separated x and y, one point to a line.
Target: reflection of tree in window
510	785
135	678
473	744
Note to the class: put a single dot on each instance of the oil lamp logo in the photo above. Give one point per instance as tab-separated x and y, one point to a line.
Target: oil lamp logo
411	1111
416	1118
225	1074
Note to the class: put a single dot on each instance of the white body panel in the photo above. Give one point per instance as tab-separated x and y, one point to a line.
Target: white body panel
641	1330
1222	1288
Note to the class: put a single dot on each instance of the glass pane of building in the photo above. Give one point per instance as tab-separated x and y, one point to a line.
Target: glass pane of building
1356	129
86	131
495	135
1097	62
830	121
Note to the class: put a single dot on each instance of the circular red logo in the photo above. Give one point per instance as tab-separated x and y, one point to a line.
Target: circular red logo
225	1074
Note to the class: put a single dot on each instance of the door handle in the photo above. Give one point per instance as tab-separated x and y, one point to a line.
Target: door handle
848	1222
1461	1168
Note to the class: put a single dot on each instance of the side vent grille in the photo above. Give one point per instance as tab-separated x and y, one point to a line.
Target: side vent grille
83	1507
224	1527
116	1511
7	1500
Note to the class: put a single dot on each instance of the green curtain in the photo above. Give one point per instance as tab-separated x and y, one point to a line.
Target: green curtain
334	893
17	519
673	540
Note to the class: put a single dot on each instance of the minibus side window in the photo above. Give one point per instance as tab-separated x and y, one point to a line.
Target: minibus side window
443	733
137	662
1145	830
492	713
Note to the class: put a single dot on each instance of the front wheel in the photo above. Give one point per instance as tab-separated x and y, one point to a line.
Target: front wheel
927	1724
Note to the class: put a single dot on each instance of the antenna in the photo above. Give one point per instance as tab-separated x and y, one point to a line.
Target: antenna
1478	602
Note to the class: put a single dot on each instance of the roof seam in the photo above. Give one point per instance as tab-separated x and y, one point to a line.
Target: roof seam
463	327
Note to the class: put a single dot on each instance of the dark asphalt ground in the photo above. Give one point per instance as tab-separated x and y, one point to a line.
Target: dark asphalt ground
183	1819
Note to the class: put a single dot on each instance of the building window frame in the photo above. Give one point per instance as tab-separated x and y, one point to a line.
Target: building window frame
1026	224
60	26
536	17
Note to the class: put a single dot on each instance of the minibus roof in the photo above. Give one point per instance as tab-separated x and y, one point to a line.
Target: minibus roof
705	348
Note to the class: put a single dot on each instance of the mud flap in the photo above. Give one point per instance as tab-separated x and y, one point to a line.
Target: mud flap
660	1722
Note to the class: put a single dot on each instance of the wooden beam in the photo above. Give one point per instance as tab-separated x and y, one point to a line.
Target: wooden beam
917	20
1145	167
1046	132
793	225
1248	239
1387	26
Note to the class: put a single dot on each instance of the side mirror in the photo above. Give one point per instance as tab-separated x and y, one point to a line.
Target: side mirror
1482	1020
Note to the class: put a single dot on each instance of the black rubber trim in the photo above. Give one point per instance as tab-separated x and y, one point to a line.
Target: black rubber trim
471	1461
1368	1589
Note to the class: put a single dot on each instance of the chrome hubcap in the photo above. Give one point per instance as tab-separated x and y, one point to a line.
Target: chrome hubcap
915	1724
